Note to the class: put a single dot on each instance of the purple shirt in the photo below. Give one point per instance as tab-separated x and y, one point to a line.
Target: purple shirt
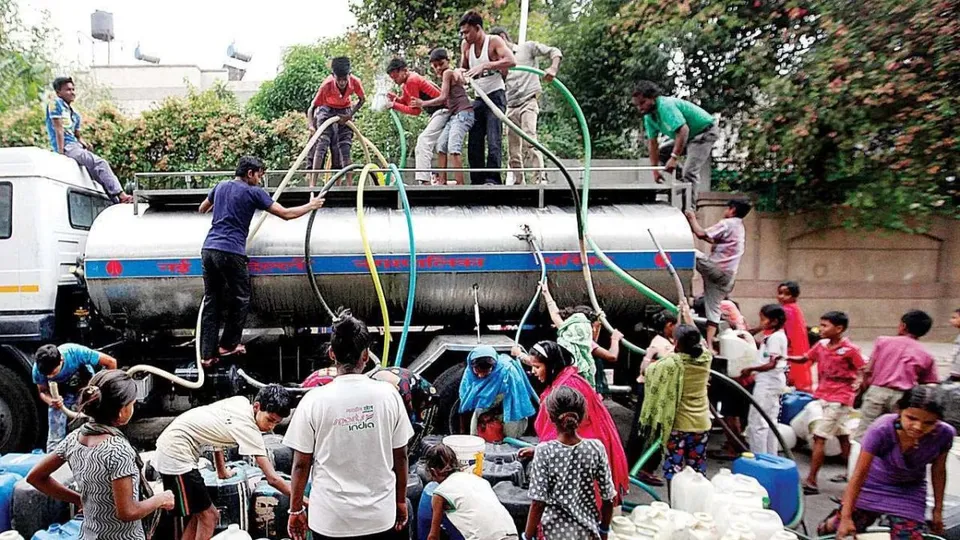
729	239
897	482
234	202
901	362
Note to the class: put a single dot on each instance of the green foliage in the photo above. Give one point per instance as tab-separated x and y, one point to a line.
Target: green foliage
404	26
23	126
869	124
304	68
202	131
25	68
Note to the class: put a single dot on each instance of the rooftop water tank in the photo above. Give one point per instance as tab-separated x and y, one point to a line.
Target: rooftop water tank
101	25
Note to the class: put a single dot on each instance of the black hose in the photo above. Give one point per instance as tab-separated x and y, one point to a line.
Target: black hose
726	429
306	241
773	425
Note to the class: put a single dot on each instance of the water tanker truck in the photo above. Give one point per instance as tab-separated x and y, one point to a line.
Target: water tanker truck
127	279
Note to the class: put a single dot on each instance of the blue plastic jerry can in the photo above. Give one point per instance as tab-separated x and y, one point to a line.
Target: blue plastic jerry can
779	476
21	463
67	531
8	482
791	404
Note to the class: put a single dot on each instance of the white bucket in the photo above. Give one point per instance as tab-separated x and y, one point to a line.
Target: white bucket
469	450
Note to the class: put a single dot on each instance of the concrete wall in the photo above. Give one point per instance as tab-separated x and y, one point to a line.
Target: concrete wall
137	88
873	276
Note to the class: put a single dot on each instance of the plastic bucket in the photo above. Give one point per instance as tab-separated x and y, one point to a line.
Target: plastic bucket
469	450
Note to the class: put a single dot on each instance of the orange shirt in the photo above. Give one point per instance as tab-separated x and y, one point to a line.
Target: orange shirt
330	96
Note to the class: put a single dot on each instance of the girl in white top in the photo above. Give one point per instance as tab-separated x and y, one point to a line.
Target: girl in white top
771	379
467	500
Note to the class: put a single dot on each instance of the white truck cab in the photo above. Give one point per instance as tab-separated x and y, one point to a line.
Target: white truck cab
47	204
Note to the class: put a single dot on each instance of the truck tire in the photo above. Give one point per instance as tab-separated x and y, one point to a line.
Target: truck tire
20	424
448	390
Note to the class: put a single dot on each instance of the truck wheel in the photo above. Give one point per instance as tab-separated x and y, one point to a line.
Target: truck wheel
448	392
20	424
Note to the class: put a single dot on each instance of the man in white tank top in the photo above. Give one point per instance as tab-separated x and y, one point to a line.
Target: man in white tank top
487	59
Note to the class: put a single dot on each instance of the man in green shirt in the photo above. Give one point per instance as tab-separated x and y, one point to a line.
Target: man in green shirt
693	130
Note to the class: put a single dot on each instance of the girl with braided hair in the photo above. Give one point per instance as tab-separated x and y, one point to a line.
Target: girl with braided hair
117	502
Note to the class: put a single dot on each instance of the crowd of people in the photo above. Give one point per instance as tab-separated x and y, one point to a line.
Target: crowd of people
352	435
352	413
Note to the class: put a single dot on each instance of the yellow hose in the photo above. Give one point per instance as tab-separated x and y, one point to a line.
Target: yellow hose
367	144
361	221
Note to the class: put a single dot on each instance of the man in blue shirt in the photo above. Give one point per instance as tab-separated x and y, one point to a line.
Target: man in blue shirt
71	367
226	278
63	127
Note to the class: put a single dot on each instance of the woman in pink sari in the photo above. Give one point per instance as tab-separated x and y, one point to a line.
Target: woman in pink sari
553	366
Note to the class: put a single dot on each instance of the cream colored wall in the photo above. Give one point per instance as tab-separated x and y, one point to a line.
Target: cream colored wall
873	276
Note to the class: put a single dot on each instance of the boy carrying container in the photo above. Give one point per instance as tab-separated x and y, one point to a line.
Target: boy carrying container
839	363
223	424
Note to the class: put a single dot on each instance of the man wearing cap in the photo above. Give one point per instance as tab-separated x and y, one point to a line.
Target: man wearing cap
523	107
334	99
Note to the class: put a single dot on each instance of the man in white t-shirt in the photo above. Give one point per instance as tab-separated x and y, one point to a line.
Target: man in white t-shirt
354	431
224	424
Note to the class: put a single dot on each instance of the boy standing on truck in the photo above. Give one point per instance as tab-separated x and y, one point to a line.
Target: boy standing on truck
226	278
224	424
413	85
334	99
70	367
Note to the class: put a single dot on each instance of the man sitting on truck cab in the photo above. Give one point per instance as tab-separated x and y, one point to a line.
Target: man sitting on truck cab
226	278
70	367
63	127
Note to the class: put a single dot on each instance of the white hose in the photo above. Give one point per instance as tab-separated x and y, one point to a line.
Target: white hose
55	392
192	385
292	170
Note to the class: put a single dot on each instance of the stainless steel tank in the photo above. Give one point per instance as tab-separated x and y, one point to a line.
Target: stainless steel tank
144	270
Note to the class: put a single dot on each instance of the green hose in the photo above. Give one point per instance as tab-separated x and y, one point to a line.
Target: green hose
585	188
585	262
403	137
412	280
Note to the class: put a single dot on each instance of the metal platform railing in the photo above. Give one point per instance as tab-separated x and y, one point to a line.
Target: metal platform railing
163	189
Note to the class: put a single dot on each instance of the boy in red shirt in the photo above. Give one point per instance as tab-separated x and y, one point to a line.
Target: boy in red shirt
413	85
839	363
334	99
898	363
797	341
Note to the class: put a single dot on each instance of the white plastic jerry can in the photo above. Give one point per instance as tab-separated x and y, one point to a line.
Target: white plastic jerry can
691	491
233	532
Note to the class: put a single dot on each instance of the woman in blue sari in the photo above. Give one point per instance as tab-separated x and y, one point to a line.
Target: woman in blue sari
495	389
